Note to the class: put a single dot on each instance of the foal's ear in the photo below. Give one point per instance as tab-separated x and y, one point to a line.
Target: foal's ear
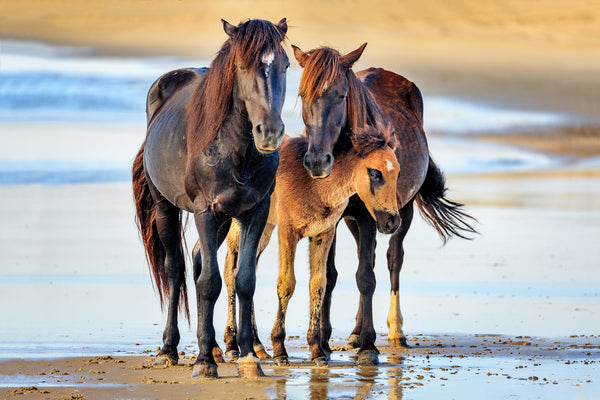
229	29
300	55
282	25
350	58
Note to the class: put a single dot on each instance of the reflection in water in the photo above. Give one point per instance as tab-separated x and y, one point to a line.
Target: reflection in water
319	382
366	376
395	382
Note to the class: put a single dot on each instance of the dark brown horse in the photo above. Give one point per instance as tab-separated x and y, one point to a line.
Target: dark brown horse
335	102
305	207
210	150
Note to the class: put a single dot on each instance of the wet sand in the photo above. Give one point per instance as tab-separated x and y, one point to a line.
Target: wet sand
493	366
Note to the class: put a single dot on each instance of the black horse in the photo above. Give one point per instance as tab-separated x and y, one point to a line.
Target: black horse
211	149
335	102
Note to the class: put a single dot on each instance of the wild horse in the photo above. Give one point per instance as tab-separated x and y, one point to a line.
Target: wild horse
306	207
211	149
335	102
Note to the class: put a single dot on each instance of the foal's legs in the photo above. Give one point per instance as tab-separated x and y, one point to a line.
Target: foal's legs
286	283
318	251
332	275
169	232
395	256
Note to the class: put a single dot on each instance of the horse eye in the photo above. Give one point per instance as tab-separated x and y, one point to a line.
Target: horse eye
374	174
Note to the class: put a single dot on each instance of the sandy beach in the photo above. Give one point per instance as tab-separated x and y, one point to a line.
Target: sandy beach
510	314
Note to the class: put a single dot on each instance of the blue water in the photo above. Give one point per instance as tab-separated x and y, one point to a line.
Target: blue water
59	85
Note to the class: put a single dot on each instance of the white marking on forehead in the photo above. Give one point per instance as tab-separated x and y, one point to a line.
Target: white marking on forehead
389	165
268	59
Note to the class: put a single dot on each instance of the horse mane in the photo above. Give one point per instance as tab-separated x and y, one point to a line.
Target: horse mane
213	99
322	66
371	138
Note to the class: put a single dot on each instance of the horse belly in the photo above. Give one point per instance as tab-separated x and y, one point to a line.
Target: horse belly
165	159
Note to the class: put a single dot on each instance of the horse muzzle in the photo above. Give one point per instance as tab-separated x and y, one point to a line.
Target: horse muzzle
268	138
387	222
318	165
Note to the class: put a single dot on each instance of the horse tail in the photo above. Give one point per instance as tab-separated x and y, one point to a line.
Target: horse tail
446	216
146	223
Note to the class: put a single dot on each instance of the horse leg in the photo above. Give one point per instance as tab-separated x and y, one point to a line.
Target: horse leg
230	270
252	224
286	283
231	349
208	287
223	230
365	280
169	233
318	250
354	339
332	275
259	349
395	257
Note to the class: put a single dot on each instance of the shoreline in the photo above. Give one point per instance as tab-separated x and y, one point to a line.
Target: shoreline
522	364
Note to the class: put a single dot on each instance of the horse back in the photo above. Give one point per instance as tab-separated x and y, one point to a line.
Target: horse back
167	85
402	103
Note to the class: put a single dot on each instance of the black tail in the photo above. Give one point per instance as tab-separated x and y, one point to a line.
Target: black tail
446	216
146	222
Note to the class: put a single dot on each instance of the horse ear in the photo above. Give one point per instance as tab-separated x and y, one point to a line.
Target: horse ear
282	25
300	56
228	28
350	58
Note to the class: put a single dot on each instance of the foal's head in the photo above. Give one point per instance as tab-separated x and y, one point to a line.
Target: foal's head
375	175
333	100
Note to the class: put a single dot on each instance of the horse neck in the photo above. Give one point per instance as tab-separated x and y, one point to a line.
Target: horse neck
340	185
236	131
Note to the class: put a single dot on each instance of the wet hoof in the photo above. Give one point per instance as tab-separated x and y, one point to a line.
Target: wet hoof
205	370
354	341
249	367
165	360
281	361
320	362
398	342
232	356
218	355
261	352
368	358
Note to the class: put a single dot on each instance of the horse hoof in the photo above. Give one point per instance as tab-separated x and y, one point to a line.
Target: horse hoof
218	355
320	362
262	354
249	367
368	358
232	356
205	370
165	360
398	342
281	361
354	341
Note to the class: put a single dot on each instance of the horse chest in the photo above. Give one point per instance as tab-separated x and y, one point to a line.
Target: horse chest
320	219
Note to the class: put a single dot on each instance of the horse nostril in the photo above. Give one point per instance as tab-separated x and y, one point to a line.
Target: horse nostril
259	128
328	159
305	161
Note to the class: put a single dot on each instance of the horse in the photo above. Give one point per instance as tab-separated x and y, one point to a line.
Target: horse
211	150
365	166
335	102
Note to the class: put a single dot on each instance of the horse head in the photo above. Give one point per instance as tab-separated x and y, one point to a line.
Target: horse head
324	89
376	174
260	64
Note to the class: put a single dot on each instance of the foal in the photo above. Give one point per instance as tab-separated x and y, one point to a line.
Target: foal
305	207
